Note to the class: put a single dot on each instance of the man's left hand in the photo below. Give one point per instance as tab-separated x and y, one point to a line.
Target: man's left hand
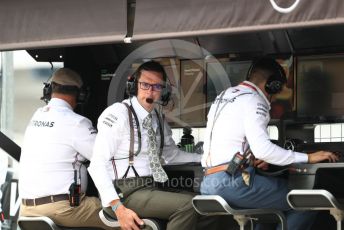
261	164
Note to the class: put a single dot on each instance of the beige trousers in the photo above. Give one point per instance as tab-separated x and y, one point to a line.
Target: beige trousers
85	215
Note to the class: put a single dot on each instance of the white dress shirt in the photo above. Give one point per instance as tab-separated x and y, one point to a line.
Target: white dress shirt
242	118
113	141
54	139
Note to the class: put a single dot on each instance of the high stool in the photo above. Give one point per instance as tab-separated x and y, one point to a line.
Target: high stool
317	199
213	205
110	220
45	223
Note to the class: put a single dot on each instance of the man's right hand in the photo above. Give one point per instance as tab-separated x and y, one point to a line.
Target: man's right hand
128	219
322	156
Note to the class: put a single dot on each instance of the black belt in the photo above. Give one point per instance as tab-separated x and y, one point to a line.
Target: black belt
45	200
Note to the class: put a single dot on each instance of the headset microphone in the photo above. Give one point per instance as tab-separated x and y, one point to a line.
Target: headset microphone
149	100
159	102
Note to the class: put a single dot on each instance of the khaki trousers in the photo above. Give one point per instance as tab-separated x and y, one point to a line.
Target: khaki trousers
175	206
85	215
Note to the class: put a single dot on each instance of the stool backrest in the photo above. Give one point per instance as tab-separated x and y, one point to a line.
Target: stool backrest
108	218
41	223
211	205
315	199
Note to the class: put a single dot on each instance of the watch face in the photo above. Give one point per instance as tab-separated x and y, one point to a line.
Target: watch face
115	206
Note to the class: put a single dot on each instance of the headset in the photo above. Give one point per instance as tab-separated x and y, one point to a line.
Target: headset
276	80
47	90
132	84
82	97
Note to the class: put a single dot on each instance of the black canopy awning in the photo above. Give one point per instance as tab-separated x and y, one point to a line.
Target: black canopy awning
178	18
47	23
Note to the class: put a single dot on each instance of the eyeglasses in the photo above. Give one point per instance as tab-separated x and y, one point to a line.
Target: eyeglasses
146	86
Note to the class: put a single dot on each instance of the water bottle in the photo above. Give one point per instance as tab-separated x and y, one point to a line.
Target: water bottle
187	141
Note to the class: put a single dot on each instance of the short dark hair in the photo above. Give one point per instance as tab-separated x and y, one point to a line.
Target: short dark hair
65	89
132	83
268	70
269	67
151	66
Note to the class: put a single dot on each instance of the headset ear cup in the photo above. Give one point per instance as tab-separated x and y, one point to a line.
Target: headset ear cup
47	90
131	88
273	87
166	94
132	85
83	95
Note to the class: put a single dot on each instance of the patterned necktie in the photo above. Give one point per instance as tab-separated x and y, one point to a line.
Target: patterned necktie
159	175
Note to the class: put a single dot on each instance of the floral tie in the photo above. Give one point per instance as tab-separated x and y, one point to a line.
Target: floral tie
159	175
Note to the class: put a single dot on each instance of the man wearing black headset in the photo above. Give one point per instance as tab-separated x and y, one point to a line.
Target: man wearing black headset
53	179
237	131
135	138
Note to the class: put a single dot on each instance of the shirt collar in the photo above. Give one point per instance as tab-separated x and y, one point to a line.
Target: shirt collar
253	87
140	111
59	102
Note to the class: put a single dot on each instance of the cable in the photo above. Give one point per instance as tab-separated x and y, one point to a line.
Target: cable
51	71
275	173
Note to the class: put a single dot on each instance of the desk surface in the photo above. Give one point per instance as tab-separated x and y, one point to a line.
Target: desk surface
185	176
312	168
328	176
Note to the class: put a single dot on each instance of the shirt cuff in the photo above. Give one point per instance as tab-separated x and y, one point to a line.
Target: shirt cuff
301	157
108	198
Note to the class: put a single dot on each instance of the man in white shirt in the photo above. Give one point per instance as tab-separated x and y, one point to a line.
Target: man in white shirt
57	141
237	121
142	197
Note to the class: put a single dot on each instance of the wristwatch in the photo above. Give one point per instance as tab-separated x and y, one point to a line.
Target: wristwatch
115	206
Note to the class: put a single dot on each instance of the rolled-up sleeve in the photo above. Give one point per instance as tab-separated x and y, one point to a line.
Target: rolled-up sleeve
256	118
84	137
110	126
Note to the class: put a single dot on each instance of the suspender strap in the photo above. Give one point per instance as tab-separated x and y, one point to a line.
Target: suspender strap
134	170
132	136
216	115
131	112
131	148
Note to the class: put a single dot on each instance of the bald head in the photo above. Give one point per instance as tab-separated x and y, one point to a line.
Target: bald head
67	77
66	85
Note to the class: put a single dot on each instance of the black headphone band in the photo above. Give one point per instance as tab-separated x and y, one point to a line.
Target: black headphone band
82	94
132	86
276	80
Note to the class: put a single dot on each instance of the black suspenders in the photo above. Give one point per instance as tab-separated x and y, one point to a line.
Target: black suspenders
132	136
131	111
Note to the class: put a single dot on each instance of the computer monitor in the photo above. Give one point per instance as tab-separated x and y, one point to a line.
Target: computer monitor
320	87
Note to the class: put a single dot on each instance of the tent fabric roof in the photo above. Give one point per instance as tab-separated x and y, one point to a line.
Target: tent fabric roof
162	19
42	23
